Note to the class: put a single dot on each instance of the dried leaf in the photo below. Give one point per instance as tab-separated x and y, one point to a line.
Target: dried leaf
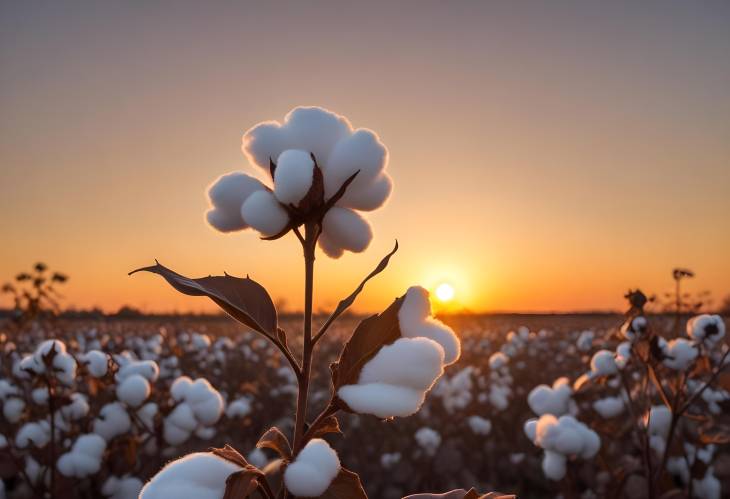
275	440
243	484
369	336
345	485
327	425
230	454
244	299
715	435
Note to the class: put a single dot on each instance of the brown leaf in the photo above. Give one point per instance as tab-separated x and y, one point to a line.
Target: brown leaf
716	435
243	484
230	454
369	336
346	485
327	425
275	440
244	299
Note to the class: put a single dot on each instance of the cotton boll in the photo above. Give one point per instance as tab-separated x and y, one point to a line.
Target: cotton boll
410	362
362	151
180	387
414	318
13	409
264	213
133	390
709	487
239	408
707	329
84	459
113	421
200	475
293	176
658	419
609	407
344	229
77	409
603	363
96	362
37	434
429	440
313	470
479	425
312	129
680	353
227	195
498	360
148	369
370	196
126	487
546	400
635	328
147	414
382	400
554	465
530	429
585	340
205	401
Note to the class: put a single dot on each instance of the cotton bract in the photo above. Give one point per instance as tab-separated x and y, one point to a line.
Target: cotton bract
313	470
395	381
310	156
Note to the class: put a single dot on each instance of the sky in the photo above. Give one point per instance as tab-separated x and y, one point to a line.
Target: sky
546	155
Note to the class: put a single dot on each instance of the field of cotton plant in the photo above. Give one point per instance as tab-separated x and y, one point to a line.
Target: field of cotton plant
394	404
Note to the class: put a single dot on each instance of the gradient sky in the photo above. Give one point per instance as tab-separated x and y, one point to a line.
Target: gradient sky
546	155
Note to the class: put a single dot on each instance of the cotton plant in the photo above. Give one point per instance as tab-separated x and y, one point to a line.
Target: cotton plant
315	176
665	390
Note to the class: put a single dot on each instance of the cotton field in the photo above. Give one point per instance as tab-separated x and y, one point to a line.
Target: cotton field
538	410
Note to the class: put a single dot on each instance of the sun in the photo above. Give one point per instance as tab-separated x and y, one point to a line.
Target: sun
445	292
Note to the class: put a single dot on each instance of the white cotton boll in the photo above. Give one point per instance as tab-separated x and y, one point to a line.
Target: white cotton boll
133	390
566	435
498	360
258	458
179	424
479	425
84	459
382	400
429	440
205	401
205	432
312	129
200	475
585	341
390	459
239	408
113	421
148	369
344	229
659	419
126	487
264	213
7	389
293	176
498	397
3	442
635	328
370	196
554	465
707	329
13	409
623	354
77	409
313	470
414	318
709	487
37	434
609	407
680	354
603	363
40	395
530	429
546	400
180	387
410	362
147	414
227	194
96	362
363	152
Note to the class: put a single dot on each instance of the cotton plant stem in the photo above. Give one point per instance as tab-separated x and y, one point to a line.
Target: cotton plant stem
310	240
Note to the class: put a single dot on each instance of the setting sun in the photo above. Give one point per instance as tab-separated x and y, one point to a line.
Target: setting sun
445	292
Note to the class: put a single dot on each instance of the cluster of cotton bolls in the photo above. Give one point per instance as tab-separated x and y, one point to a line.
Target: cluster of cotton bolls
395	381
500	385
707	487
455	391
555	399
198	407
310	157
428	440
50	359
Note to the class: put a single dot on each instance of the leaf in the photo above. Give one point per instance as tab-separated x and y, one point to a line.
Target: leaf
346	485
369	336
230	454
275	440
327	425
244	299
347	302
243	484
717	435
462	494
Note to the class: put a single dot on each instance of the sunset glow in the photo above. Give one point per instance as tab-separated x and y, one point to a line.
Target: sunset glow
445	292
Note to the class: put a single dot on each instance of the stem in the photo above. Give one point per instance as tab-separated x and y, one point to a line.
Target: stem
52	410
310	240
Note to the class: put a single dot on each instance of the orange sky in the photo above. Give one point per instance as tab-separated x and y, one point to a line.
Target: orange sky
544	158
